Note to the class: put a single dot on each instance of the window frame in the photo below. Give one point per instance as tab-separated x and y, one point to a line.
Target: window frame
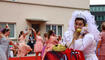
14	28
56	28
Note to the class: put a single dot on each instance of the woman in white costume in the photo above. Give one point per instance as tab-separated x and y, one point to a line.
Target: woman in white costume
4	44
84	40
2	53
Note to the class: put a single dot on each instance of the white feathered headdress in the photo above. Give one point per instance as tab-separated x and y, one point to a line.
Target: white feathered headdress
86	15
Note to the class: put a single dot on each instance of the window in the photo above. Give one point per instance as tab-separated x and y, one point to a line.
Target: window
91	9
98	18
101	9
102	17
60	30
54	28
97	9
95	17
57	29
12	29
48	28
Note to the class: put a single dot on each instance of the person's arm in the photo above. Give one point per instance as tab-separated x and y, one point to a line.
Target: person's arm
27	32
98	46
34	33
66	39
87	40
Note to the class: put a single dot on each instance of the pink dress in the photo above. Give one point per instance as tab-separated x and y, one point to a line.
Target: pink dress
49	44
23	47
38	46
45	43
102	47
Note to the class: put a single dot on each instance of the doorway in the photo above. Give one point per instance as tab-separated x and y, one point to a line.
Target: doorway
36	26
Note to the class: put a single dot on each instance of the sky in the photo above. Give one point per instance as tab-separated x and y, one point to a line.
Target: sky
92	2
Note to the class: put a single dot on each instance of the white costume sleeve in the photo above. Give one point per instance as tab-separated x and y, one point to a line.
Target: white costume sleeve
66	38
88	40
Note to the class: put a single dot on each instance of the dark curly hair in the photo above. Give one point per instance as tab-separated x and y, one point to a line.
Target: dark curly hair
5	30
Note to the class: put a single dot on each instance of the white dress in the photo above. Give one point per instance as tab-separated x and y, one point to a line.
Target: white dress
4	47
87	44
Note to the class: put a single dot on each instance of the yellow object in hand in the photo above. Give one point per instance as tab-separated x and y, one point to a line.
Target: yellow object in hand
78	30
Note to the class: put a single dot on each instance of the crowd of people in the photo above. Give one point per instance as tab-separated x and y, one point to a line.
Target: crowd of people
21	48
84	40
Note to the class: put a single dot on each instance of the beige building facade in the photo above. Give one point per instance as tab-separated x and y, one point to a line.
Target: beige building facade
42	15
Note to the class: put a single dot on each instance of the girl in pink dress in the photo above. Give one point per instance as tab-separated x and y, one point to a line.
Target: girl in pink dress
101	44
23	47
39	43
52	40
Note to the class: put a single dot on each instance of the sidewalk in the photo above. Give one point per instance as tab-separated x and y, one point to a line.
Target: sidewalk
28	57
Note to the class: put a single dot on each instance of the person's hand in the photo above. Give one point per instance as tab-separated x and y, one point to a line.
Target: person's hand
80	36
33	29
84	31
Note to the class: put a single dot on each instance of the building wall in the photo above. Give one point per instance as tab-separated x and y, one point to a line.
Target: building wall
99	12
66	3
19	12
